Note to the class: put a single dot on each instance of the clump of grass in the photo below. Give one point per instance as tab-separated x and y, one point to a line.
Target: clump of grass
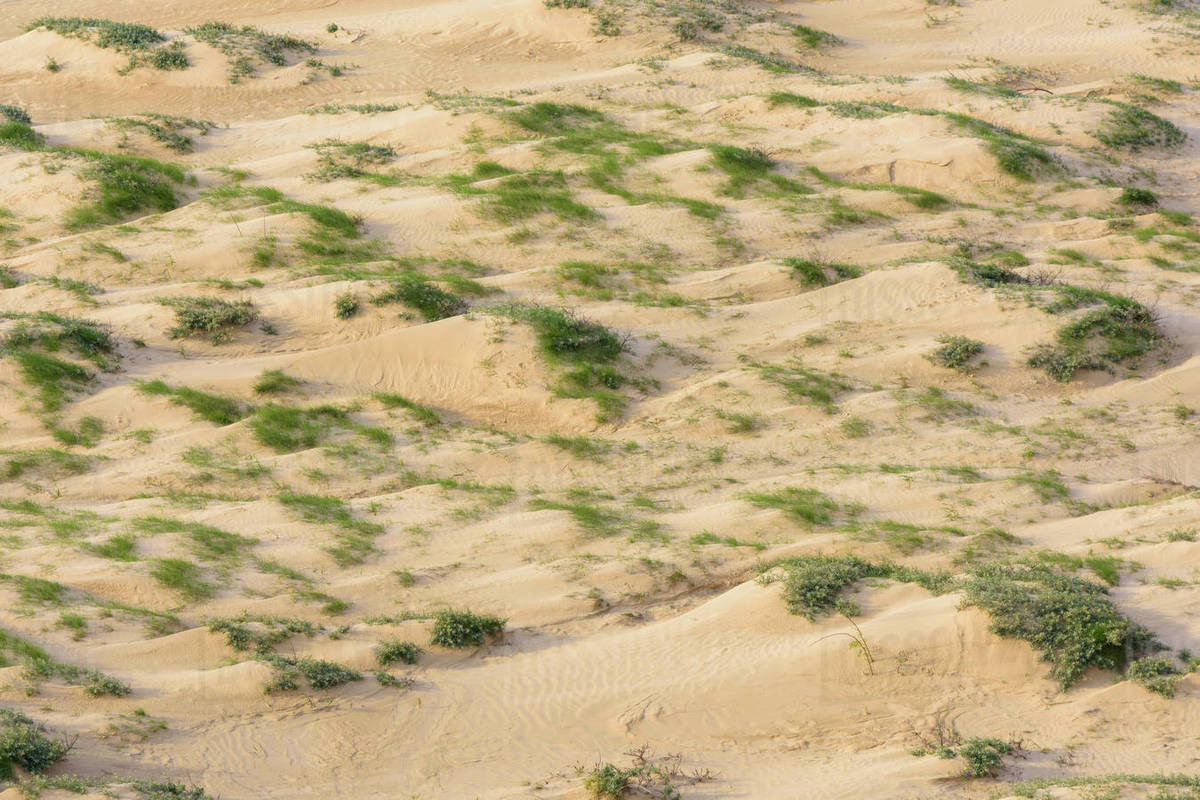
47	462
583	447
813	273
1137	198
775	99
339	159
771	62
956	352
167	130
355	537
805	384
984	89
102	32
814	38
1069	620
122	185
211	407
1128	127
807	506
462	628
873	109
184	577
397	651
246	48
746	168
209	316
416	291
586	350
422	414
39	665
275	381
1018	155
37	338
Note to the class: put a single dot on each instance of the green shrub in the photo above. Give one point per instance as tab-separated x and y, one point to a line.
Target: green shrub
393	651
955	352
421	413
1069	620
789	99
15	114
812	585
805	384
808	506
1133	196
464	629
346	305
1018	155
260	633
247	46
209	316
123	185
814	39
25	743
1155	673
770	62
318	673
124	36
984	757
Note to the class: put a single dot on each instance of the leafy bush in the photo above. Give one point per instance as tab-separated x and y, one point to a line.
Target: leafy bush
1071	621
813	273
247	46
984	756
1133	196
25	743
346	305
319	674
393	651
464	628
812	585
102	32
1018	155
1155	673
260	633
15	114
209	316
814	39
955	352
123	185
183	576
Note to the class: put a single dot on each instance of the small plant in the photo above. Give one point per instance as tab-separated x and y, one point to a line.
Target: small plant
24	743
1137	198
346	305
275	381
815	39
858	644
209	316
211	407
1128	127
416	291
183	576
393	651
814	274
1155	673
460	629
956	352
52	64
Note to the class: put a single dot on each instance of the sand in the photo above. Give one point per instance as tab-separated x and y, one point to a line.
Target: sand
652	628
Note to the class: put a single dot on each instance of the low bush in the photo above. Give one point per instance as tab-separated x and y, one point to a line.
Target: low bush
393	651
24	743
956	352
209	316
460	629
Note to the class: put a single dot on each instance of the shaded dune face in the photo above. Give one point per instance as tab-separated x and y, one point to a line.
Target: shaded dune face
452	399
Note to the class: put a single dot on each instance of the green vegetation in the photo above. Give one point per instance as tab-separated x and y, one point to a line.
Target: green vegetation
812	585
463	628
1155	673
750	168
1069	620
804	384
585	350
815	39
1018	155
275	381
260	633
1128	127
209	316
416	291
346	305
354	536
36	339
140	43
15	114
39	665
24	743
184	577
338	159
1137	198
814	274
1119	331
422	414
983	89
289	672
167	130
956	352
768	61
806	506
775	99
211	407
395	650
246	48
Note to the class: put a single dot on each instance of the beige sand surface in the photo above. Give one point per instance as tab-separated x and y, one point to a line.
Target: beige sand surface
624	553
